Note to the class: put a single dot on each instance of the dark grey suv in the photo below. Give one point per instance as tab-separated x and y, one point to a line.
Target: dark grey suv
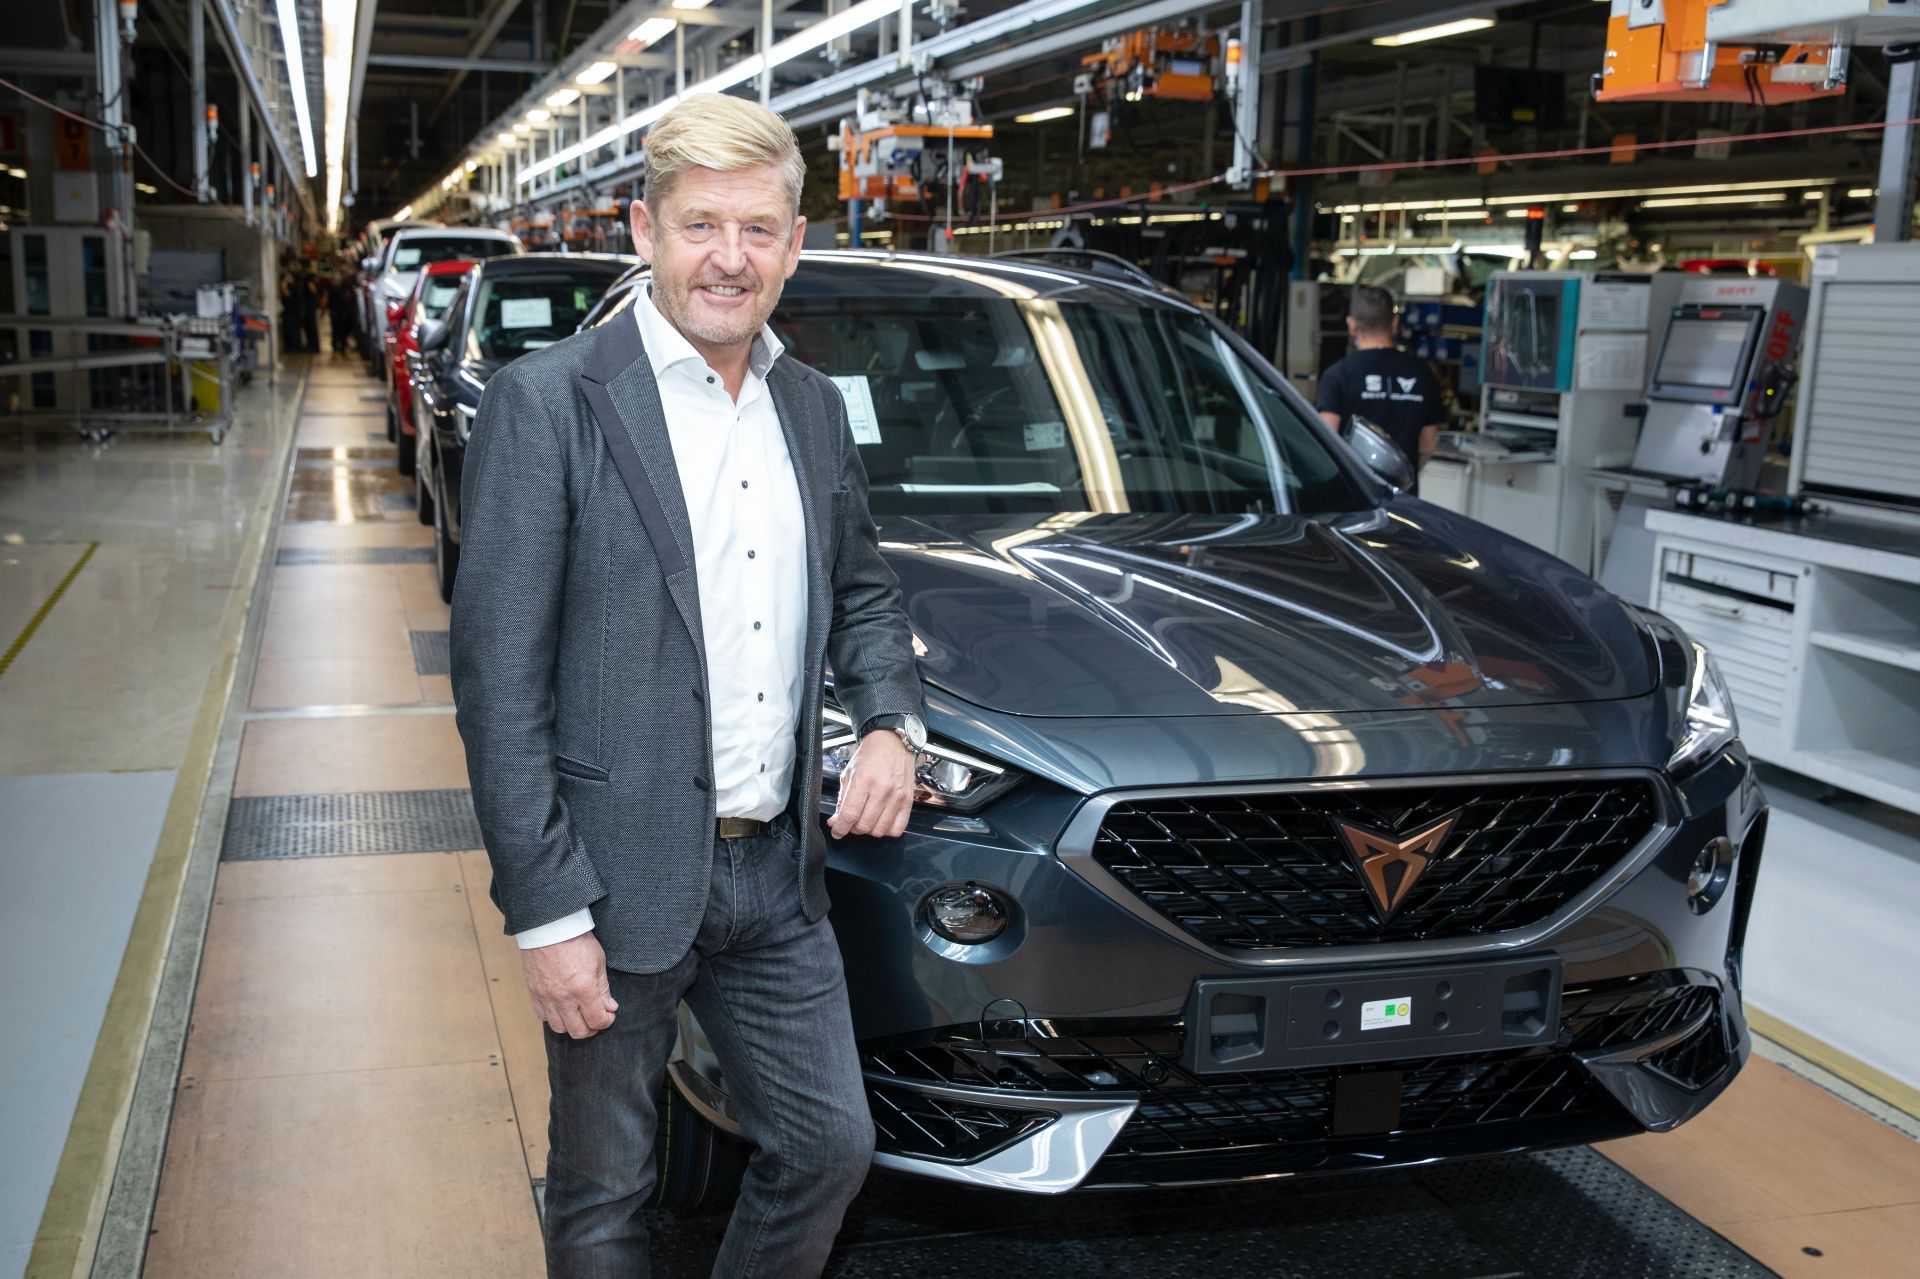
1274	821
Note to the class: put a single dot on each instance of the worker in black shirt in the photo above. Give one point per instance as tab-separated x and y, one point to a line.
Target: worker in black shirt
1395	391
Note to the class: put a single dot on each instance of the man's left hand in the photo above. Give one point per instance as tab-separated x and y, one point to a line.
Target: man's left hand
876	791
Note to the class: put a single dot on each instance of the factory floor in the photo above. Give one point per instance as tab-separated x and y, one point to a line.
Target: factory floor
236	805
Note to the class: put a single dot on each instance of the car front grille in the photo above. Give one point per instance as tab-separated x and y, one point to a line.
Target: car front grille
1284	1118
1251	872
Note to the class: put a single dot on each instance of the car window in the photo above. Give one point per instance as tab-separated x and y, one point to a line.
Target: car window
527	310
1002	405
437	295
414	252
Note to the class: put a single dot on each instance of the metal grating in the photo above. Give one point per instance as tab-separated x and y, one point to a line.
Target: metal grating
1261	871
430	653
307	556
349	825
1563	1214
909	1122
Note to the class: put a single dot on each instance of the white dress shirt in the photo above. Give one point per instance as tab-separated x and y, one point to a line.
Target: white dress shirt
749	558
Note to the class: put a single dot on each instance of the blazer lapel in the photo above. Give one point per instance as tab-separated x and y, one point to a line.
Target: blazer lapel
800	421
618	381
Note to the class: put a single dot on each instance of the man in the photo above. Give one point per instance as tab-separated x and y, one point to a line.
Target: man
666	537
1395	391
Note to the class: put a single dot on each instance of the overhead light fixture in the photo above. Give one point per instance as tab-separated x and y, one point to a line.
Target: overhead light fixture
801	42
563	98
297	80
1583	255
406	211
651	31
690	4
1438	32
523	128
1569	208
1862	193
1692	202
507	139
539	115
472	165
596	73
337	18
1045	113
146	188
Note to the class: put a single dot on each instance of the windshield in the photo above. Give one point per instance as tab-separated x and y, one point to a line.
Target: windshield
527	310
415	252
1002	405
437	295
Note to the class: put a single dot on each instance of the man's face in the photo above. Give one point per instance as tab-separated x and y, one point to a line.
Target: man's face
722	245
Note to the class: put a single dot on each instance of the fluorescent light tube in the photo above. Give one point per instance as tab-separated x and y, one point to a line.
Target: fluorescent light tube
563	98
297	80
1048	113
1439	32
650	31
596	73
1694	202
539	115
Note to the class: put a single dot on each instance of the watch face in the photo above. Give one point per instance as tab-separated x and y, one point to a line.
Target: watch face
916	732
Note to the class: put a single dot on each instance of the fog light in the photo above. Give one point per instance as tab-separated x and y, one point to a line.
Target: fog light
966	913
1707	880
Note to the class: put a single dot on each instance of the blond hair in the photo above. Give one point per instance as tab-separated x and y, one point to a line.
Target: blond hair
723	133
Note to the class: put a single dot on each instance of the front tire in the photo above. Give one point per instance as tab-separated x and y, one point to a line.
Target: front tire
446	554
422	492
697	1167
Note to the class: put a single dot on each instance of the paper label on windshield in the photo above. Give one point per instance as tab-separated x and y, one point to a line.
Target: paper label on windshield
860	411
1046	435
526	313
1384	1014
1203	427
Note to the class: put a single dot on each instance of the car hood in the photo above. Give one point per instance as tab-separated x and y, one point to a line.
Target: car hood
1117	615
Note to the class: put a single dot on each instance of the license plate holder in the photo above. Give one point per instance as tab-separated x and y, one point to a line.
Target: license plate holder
1348	1017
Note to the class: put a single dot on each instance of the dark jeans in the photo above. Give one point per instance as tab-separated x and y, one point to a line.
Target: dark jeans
768	989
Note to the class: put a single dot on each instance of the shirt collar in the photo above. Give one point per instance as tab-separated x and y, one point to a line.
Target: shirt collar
668	347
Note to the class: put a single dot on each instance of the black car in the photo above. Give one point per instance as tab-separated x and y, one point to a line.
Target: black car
1273	821
506	307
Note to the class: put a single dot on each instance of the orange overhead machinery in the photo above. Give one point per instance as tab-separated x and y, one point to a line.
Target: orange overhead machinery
1763	52
917	151
1174	64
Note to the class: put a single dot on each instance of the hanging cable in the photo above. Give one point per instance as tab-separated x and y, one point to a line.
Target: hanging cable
103	127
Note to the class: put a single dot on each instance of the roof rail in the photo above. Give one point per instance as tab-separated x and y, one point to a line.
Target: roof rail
1092	261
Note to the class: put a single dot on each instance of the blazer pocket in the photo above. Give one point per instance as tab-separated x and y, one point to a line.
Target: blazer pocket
567	766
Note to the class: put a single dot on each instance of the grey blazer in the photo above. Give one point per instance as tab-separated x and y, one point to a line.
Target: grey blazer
578	668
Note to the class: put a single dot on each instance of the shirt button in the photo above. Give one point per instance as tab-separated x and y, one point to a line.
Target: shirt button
743	483
756	626
709	379
761	697
749	554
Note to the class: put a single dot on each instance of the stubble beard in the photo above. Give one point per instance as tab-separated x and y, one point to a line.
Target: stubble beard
676	303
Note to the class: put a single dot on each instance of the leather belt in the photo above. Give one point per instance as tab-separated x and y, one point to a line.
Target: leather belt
739	827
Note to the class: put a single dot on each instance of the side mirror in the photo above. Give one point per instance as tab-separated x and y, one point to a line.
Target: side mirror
1382	456
367	265
433	335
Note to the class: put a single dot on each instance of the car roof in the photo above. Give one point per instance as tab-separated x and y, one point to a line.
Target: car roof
880	272
524	262
452	266
453	233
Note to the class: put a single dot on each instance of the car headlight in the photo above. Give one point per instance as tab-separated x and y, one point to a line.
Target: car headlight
1707	722
1701	707
945	776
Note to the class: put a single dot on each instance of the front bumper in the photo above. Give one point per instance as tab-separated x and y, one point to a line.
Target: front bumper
1050	1106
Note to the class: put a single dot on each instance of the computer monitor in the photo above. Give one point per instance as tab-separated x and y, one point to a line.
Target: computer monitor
1528	336
1706	354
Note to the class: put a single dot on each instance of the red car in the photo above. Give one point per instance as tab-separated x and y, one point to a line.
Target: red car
433	291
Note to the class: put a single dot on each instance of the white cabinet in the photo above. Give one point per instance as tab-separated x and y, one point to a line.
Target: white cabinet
1818	637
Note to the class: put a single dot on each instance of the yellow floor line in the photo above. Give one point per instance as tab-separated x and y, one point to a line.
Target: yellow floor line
1868	1079
69	1232
33	624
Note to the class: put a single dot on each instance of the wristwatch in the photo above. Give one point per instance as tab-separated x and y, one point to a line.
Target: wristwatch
910	728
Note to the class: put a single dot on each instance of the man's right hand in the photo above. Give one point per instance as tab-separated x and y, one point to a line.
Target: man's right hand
568	982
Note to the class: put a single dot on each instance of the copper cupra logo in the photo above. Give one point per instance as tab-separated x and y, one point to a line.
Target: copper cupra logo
1393	864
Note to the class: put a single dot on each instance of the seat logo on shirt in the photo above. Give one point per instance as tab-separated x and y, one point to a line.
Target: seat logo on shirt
1374	384
1406	383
